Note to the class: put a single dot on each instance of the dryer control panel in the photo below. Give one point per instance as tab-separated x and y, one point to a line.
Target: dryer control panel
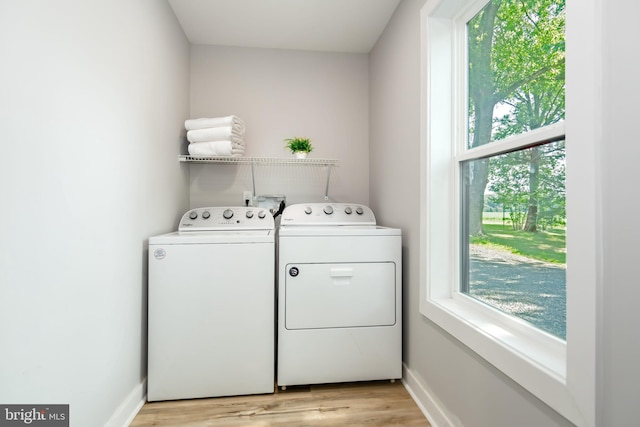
319	214
226	218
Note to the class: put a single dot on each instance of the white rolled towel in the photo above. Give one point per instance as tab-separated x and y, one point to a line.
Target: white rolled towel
203	123
215	148
214	134
236	142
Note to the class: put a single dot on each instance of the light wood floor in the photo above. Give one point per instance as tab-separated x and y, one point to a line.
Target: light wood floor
370	404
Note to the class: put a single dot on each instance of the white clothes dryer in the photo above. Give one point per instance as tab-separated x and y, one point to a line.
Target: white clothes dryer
339	296
212	305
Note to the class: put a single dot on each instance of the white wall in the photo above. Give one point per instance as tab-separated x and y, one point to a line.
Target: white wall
93	97
280	94
466	390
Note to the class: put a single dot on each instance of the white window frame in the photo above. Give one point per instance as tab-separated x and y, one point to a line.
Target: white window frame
562	374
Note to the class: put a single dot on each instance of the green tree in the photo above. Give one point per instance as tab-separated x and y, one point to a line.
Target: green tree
510	184
516	60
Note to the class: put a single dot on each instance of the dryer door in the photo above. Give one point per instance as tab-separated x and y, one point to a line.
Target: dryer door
340	295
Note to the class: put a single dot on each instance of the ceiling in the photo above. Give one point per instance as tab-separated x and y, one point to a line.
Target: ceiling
316	25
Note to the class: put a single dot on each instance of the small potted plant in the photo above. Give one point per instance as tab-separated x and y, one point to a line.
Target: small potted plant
300	147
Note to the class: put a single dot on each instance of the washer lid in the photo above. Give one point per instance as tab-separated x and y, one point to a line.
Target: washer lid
214	237
327	214
226	219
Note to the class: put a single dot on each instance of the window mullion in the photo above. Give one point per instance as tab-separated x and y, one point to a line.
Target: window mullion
554	132
459	132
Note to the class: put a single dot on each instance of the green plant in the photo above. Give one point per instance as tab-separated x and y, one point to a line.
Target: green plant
299	145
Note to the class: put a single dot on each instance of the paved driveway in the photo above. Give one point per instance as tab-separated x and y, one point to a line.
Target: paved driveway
532	290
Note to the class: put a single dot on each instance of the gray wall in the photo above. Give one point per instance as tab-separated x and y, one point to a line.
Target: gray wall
280	94
470	391
93	97
619	154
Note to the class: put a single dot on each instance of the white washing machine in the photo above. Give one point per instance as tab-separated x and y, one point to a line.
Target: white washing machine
339	296
212	305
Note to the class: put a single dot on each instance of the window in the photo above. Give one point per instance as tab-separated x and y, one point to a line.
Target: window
494	148
517	263
512	205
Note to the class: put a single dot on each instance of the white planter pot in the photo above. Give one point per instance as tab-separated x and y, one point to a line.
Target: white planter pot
300	154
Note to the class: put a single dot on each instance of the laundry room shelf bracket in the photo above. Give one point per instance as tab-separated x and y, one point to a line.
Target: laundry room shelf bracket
326	190
267	161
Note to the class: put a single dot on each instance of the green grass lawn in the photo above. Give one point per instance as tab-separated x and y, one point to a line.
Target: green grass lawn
546	245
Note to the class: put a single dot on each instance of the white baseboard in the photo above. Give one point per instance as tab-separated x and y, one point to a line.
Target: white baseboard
425	400
130	406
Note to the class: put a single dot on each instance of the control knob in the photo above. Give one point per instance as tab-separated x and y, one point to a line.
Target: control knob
227	214
193	215
206	214
308	210
359	210
249	214
328	210
262	214
348	210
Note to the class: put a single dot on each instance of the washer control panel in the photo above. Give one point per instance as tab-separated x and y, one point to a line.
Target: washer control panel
328	214
226	218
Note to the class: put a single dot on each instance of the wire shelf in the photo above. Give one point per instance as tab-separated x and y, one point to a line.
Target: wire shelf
272	161
256	160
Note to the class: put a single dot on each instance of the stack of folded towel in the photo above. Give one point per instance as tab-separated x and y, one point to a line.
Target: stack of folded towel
218	136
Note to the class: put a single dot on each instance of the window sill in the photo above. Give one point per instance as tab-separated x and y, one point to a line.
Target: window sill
535	360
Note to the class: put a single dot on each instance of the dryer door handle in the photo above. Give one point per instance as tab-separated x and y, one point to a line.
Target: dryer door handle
341	272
